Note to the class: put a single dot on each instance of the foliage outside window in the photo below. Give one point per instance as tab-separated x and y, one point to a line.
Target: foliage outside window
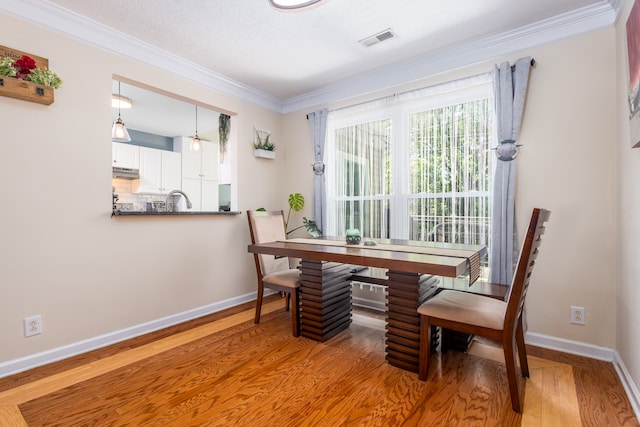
362	186
449	179
419	169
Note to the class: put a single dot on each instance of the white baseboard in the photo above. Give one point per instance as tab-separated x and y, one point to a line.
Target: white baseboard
627	382
553	343
568	346
593	352
32	361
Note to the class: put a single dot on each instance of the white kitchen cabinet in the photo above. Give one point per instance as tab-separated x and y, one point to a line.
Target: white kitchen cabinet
209	196
191	163
193	189
198	164
199	173
203	194
171	171
125	155
210	161
160	171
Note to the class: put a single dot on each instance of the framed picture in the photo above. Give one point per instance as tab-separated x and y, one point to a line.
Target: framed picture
633	56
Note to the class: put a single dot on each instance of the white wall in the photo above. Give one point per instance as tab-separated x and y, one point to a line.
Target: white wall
628	212
568	166
61	255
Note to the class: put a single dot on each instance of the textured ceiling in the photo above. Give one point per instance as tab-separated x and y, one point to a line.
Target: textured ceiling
290	54
291	61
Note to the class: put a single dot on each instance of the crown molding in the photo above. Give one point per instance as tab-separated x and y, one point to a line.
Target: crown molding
49	15
583	20
590	18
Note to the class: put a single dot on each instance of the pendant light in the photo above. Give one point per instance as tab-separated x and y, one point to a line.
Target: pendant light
119	101
119	131
195	142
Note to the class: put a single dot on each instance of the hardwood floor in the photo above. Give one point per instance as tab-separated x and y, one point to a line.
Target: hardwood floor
222	370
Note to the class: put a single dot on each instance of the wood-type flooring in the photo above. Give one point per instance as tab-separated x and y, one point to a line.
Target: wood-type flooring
223	370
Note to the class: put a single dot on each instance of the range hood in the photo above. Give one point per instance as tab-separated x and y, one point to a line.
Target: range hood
125	173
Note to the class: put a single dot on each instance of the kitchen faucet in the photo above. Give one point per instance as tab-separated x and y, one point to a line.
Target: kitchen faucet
169	201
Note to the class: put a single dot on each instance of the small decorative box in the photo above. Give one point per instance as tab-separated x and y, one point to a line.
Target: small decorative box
353	236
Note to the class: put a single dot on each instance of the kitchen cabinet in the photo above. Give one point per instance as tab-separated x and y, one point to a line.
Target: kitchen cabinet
209	196
198	164
203	194
125	155
199	173
160	171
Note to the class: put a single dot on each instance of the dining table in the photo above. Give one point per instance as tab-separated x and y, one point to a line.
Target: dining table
328	265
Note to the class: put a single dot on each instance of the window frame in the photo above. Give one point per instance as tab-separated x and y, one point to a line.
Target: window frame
398	109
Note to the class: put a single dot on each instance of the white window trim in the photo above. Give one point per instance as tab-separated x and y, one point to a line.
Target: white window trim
398	107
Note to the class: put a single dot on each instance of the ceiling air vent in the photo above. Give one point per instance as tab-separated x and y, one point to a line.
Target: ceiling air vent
377	38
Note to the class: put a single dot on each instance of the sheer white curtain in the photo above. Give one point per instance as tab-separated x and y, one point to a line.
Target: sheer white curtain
450	169
413	165
360	179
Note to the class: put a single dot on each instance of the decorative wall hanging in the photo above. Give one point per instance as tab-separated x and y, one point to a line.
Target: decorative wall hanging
633	56
26	76
262	147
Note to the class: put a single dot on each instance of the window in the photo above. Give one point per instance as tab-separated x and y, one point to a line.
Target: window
414	166
361	188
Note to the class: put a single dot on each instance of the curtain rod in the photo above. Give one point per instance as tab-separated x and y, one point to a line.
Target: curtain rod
532	64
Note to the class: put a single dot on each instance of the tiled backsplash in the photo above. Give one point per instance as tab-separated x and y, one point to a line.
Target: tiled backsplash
138	202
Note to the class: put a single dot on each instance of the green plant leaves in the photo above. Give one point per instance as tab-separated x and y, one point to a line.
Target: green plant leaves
261	143
45	77
296	201
311	227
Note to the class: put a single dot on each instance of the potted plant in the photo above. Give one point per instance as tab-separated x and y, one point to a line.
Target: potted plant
296	203
262	147
26	69
25	79
45	77
224	126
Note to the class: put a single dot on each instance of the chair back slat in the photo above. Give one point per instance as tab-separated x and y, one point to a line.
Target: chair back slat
264	227
528	255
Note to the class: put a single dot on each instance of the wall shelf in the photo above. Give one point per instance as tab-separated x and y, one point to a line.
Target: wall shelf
264	154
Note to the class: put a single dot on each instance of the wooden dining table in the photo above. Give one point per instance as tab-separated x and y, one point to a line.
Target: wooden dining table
326	274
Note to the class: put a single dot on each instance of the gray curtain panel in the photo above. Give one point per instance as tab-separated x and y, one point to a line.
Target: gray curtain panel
318	124
510	83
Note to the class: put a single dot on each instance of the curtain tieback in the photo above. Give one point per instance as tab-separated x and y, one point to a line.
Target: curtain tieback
507	150
318	167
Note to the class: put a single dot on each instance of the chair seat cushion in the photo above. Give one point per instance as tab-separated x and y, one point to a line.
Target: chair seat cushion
287	278
466	308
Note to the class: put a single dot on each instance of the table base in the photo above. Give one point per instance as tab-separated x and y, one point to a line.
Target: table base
405	293
325	308
325	299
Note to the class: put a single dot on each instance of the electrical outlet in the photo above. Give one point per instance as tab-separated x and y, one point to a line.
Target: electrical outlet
577	315
32	325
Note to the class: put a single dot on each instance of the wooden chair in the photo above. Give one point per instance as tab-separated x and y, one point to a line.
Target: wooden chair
274	273
488	317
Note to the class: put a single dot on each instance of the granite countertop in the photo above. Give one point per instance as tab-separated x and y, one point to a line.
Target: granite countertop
141	213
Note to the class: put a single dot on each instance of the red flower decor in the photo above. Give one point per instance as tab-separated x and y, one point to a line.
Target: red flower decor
24	66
